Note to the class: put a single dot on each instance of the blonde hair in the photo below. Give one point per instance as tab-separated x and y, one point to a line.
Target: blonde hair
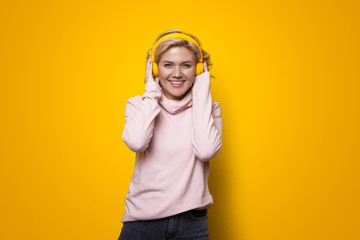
178	42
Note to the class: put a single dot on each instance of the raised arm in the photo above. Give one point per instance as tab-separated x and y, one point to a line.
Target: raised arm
140	113
207	120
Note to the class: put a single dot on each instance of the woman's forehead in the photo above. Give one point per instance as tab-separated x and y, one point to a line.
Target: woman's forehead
178	54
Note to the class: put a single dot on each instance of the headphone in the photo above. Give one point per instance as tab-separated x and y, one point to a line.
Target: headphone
199	65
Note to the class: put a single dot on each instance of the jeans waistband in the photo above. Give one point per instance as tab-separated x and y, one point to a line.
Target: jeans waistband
198	213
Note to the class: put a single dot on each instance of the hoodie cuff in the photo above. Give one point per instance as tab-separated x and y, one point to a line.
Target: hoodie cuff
202	81
152	90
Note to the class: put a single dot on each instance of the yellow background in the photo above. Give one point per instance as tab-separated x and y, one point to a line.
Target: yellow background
287	78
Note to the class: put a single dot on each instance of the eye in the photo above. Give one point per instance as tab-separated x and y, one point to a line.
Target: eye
187	65
167	65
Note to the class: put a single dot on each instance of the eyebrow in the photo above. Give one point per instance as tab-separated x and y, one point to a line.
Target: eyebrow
181	62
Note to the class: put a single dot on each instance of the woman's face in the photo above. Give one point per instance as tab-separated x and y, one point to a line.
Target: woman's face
177	67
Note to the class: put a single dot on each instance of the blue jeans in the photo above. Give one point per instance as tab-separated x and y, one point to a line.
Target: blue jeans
188	225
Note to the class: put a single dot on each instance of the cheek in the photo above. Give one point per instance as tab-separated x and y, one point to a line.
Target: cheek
162	81
191	73
163	73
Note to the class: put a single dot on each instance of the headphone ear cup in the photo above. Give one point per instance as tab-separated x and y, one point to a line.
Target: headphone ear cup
155	70
199	68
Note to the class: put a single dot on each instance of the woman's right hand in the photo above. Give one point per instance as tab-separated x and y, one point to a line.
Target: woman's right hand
148	74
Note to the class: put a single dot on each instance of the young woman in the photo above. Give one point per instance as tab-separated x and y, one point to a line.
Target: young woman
175	128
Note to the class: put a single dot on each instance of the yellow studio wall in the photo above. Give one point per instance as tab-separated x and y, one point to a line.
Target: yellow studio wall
287	78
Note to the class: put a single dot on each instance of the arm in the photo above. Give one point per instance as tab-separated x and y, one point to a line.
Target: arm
207	120
140	113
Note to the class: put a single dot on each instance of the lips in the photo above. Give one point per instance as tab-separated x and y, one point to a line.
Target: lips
176	83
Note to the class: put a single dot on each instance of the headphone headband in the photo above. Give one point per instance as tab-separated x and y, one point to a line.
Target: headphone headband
175	35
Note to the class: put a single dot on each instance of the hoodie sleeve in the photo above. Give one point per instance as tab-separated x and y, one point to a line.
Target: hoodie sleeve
207	120
140	113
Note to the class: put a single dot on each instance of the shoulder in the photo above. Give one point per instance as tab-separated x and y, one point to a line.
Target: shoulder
216	109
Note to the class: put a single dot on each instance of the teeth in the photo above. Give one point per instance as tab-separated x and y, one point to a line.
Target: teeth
177	83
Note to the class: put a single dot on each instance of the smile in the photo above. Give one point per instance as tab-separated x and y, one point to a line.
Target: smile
176	83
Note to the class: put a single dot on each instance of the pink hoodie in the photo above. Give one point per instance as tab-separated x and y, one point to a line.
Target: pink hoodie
174	141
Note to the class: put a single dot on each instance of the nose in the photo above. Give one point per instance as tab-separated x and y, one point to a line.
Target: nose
177	72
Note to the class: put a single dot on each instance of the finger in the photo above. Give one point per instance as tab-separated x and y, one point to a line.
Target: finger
205	67
147	72
148	67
